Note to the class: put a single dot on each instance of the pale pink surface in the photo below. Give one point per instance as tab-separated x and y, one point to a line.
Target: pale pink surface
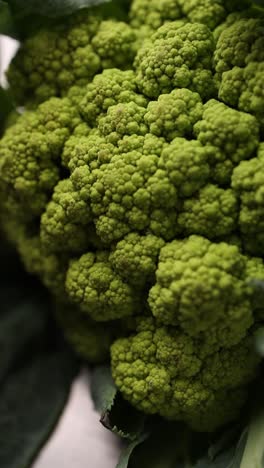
80	441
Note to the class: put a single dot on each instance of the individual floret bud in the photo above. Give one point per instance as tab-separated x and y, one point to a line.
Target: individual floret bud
201	286
99	291
64	226
121	120
186	165
212	213
182	58
89	339
52	60
174	115
131	193
248	182
232	135
135	258
115	43
107	89
161	370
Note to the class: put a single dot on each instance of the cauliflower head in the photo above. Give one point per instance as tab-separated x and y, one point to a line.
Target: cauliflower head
133	186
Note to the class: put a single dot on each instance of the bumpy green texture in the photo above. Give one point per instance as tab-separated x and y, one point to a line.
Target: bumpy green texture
174	114
135	191
71	53
200	286
239	66
177	57
163	370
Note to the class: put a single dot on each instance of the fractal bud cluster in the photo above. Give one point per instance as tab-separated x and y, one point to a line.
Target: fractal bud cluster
133	186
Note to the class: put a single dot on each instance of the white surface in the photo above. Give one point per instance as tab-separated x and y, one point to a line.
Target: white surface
79	440
7	47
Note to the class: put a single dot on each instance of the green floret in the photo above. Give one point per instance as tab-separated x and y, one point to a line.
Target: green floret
210	12
131	193
135	258
157	12
161	370
64	224
212	213
89	339
181	58
248	182
100	292
153	14
115	43
186	165
121	120
90	151
201	287
54	59
107	89
238	44
29	156
232	135
174	115
239	63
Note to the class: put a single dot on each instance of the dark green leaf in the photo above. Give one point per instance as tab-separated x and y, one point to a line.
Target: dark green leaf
116	414
253	454
167	446
103	389
49	8
22	327
31	401
7	26
128	451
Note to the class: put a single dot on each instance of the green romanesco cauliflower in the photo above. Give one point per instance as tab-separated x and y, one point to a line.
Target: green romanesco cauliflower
162	370
132	185
71	53
92	283
248	183
178	58
201	287
212	212
174	115
111	87
239	66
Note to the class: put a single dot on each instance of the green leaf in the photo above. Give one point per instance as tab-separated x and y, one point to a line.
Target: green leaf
7	26
103	389
253	455
167	446
21	329
128	451
31	400
49	8
116	414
